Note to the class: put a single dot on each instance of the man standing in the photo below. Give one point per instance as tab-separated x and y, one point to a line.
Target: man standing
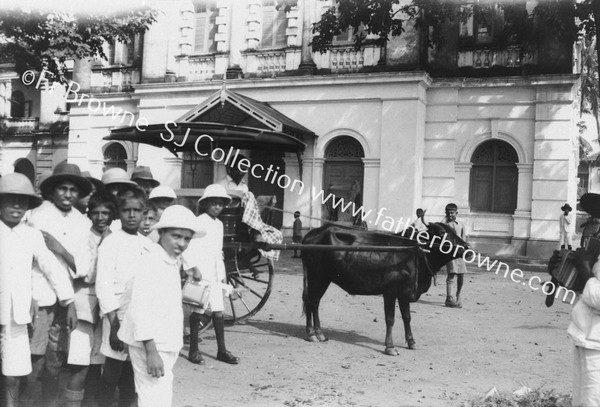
65	231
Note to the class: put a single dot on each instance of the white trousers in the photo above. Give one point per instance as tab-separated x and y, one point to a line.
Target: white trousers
586	378
566	239
152	391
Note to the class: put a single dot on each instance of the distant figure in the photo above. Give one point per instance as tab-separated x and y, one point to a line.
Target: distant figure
297	234
420	223
566	220
590	228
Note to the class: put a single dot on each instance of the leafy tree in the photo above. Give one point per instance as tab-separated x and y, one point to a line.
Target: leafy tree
36	39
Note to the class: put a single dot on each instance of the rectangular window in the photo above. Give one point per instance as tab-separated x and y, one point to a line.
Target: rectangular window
206	27
481	23
274	25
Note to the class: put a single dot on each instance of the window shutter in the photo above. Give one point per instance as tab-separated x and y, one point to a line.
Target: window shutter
200	34
212	30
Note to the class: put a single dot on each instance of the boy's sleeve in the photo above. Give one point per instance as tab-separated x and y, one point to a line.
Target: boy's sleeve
52	269
105	272
591	293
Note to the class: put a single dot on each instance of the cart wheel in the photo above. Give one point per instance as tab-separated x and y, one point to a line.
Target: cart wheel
252	290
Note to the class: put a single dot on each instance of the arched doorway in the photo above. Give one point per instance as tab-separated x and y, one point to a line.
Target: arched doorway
25	167
494	178
115	156
343	177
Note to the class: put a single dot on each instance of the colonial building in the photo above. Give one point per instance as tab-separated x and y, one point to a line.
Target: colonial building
478	121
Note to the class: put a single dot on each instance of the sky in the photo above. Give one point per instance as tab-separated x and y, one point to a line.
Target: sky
75	6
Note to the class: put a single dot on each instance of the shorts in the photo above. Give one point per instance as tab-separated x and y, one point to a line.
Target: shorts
14	350
41	325
152	391
84	344
105	348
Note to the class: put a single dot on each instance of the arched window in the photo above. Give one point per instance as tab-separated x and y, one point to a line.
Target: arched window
25	167
274	25
115	156
17	104
206	27
494	178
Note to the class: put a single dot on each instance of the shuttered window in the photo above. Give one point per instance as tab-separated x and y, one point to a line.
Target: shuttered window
494	178
274	25
206	27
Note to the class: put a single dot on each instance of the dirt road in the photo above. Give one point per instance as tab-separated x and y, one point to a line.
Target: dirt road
503	337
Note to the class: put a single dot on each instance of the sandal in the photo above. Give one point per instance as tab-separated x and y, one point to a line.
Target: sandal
228	357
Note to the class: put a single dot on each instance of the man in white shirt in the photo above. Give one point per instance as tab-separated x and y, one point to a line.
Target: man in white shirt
234	180
20	246
65	232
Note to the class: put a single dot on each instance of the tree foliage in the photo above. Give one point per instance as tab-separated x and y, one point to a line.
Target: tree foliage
36	39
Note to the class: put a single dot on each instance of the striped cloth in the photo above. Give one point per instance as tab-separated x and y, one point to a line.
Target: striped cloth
252	218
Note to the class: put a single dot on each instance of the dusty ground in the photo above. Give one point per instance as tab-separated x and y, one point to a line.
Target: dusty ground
503	336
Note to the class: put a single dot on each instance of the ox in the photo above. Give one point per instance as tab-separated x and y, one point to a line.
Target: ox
400	275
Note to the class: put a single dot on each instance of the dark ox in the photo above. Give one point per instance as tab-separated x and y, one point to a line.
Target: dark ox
401	275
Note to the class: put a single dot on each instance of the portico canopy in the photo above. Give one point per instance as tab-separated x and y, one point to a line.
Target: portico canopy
225	119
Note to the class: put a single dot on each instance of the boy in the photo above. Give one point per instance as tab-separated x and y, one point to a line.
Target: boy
65	232
456	268
149	219
85	340
142	176
154	320
204	257
161	198
119	256
419	224
565	222
297	232
20	245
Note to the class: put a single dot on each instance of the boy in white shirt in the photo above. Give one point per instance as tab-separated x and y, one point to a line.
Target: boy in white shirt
20	246
154	319
119	257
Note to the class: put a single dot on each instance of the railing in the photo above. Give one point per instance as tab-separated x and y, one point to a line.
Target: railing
200	68
484	58
19	124
269	63
346	59
114	79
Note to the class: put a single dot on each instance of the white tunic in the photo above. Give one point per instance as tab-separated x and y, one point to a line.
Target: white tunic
206	253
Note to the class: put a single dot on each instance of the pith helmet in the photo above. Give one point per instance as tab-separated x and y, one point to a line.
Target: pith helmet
215	191
179	217
19	184
116	175
66	172
162	191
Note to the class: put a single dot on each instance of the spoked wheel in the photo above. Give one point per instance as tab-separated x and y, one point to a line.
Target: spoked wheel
252	288
252	280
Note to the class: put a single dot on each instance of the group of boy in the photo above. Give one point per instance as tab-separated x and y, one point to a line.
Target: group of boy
67	282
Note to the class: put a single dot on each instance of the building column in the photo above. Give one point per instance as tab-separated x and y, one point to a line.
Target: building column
96	167
522	216
173	166
292	195
236	42
318	185
307	65
462	175
370	193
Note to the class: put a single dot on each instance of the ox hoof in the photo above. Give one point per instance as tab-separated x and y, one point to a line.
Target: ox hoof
322	338
312	338
412	345
391	351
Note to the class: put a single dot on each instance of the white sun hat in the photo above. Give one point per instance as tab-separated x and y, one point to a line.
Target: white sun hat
180	217
162	191
215	191
116	175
